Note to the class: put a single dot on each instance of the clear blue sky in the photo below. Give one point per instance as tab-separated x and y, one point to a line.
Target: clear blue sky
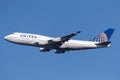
58	18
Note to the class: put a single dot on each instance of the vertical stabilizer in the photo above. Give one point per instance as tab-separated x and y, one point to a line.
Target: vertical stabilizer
104	36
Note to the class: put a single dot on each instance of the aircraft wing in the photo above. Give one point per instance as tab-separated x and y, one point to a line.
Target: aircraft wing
67	37
55	43
63	39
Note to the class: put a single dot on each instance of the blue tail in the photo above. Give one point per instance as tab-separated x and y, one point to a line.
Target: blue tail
105	36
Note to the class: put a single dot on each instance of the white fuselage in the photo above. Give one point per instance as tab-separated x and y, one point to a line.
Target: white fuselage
41	41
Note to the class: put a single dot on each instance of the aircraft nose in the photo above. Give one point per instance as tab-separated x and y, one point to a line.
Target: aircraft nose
6	37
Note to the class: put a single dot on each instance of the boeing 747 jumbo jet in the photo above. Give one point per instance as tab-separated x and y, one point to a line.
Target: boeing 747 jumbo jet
60	44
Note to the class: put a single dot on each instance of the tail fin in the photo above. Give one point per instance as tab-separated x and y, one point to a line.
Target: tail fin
105	36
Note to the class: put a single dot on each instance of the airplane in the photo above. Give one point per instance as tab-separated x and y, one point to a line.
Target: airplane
61	44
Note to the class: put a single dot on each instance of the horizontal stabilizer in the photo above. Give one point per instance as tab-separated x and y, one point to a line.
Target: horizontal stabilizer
104	43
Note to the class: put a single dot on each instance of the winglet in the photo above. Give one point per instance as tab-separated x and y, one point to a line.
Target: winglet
78	32
75	33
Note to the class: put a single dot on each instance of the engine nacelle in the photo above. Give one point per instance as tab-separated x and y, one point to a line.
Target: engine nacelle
59	51
44	50
56	39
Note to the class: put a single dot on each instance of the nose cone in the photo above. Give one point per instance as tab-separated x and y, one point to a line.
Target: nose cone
5	37
9	37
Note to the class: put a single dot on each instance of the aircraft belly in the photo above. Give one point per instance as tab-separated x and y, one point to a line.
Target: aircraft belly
77	46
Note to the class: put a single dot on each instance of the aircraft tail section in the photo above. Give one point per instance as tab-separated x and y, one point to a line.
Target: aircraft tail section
103	43
104	36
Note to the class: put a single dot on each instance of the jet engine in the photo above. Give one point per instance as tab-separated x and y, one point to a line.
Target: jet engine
44	50
54	40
